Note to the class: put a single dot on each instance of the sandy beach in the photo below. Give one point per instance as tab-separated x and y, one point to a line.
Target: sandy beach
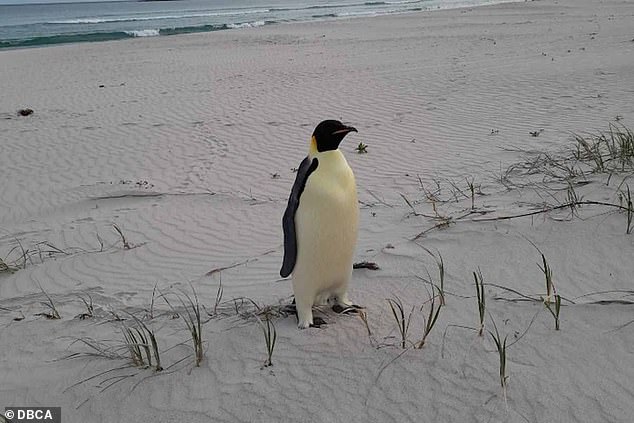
188	144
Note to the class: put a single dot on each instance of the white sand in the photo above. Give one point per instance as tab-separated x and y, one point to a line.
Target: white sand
220	113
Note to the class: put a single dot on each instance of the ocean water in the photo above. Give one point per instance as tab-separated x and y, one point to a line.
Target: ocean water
24	25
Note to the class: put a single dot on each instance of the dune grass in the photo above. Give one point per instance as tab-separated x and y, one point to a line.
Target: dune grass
554	309
402	322
440	265
192	318
218	300
270	337
479	286
548	276
219	293
52	313
150	344
87	301
363	315
139	341
361	148
551	291
37	252
472	189
24	257
134	340
150	310
626	197
609	151
124	241
500	344
98	349
432	316
4	267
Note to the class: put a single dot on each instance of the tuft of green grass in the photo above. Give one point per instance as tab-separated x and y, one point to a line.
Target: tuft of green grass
402	322
630	211
479	285
626	196
89	307
97	349
26	255
150	344
219	293
52	313
270	337
41	250
573	199
440	265
130	337
501	348
363	315
441	279
472	190
590	151
548	275
432	316
607	151
192	318
126	243
555	312
4	267
361	148
150	311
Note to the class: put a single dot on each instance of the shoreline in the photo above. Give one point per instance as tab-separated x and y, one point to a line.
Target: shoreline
122	35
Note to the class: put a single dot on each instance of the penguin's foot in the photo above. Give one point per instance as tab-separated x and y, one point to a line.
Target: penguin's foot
318	322
304	319
304	314
347	309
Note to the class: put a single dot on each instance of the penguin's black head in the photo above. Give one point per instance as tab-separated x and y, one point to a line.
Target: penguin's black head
329	133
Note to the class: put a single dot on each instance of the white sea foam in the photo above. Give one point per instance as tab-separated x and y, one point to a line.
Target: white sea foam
360	13
144	33
403	2
246	24
158	17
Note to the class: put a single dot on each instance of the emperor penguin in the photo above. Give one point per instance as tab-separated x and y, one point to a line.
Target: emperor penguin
320	225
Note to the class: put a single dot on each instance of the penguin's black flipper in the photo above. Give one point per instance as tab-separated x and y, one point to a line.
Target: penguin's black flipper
307	167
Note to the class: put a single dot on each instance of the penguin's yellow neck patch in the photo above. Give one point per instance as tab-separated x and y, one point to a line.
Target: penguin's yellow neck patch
312	150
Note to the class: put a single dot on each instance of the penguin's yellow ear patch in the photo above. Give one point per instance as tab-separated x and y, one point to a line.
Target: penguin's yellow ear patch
313	146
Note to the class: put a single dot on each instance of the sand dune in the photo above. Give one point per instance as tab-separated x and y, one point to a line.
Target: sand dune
188	144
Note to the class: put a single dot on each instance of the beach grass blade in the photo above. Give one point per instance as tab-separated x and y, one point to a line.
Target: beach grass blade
402	322
432	316
479	285
270	337
192	318
501	348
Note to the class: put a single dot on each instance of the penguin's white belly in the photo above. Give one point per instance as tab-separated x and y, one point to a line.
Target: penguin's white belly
326	224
